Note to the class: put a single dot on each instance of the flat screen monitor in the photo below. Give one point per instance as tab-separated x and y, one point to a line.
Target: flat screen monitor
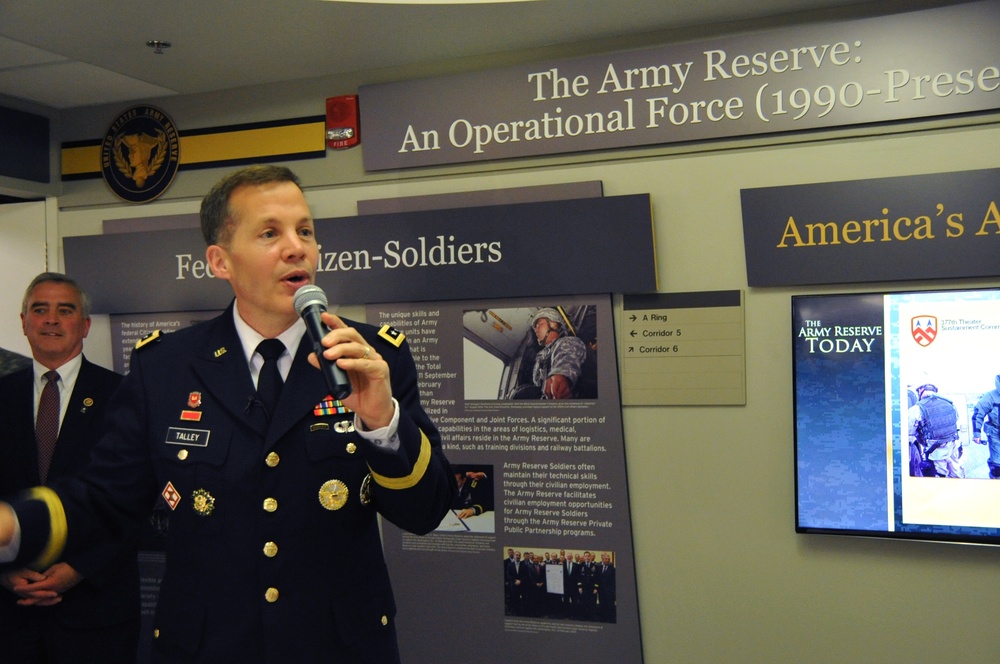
896	398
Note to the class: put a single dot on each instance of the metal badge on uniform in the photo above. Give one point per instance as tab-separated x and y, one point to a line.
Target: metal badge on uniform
366	490
392	335
203	502
194	401
344	426
190	437
333	494
219	352
170	496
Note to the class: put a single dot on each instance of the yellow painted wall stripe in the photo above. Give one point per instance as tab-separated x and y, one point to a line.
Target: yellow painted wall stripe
77	161
219	146
250	143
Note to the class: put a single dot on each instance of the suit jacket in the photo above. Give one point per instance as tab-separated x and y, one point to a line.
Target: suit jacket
109	593
606	580
273	546
571	578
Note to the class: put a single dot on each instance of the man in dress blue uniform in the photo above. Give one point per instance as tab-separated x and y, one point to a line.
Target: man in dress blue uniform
273	548
87	602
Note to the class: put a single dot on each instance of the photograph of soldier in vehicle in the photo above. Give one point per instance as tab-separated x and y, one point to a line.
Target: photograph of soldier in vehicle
542	352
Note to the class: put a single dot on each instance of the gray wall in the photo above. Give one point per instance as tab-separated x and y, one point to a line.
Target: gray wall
722	576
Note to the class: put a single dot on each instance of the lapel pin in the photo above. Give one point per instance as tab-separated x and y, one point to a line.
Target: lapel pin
203	502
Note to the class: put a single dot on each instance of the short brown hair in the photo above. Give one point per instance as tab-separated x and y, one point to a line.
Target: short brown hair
216	218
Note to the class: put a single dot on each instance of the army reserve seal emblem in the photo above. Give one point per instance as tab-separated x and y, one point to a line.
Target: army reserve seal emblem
140	154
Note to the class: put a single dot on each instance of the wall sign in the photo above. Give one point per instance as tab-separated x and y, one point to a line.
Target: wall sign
683	349
940	226
910	65
552	247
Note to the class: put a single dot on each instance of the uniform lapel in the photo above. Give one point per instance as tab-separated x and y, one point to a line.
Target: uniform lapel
223	370
77	416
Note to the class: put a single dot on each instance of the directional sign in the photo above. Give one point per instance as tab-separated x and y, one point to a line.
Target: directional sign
683	349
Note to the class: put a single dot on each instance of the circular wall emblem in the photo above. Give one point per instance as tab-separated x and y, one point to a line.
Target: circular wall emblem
140	154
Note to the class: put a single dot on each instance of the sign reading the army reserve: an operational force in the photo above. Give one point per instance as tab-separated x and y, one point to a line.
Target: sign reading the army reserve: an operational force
911	65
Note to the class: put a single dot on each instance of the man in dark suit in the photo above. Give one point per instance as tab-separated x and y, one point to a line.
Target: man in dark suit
607	590
87	601
273	548
571	577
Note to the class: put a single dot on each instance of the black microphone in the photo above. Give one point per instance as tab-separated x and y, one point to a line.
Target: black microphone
310	302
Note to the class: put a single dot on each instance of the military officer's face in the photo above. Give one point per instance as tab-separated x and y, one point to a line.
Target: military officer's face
54	323
272	253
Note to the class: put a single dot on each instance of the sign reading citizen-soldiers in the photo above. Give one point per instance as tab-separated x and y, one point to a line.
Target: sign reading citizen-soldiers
140	153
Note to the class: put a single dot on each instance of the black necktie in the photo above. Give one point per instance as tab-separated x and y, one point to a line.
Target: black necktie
269	382
47	423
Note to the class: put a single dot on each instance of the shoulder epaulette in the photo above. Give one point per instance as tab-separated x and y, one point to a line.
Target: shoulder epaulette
392	335
153	336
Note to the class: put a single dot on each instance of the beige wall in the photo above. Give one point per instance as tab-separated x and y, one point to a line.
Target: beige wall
722	576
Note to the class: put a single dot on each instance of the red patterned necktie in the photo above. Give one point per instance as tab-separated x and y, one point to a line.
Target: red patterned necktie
47	424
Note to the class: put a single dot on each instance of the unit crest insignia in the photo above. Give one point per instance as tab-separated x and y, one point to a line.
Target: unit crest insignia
924	329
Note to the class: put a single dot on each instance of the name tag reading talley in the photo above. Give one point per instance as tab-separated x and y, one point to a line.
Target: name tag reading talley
189	437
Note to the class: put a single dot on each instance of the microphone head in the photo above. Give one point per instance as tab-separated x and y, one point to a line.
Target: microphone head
307	296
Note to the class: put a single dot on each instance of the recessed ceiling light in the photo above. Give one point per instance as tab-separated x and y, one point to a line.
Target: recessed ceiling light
430	2
158	45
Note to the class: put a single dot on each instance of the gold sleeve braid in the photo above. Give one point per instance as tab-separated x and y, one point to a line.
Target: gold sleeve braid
57	527
419	468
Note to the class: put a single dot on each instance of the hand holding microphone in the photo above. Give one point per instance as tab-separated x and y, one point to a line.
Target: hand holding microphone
310	301
371	394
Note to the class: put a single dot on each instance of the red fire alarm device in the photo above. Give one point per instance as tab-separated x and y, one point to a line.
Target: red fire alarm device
343	129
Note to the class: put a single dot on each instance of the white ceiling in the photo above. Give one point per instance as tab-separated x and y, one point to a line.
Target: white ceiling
84	52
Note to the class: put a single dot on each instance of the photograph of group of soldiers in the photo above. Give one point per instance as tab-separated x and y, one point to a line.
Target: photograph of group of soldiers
953	434
566	585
